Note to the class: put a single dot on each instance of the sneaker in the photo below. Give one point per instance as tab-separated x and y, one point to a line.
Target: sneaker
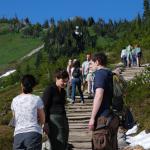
82	102
69	99
72	102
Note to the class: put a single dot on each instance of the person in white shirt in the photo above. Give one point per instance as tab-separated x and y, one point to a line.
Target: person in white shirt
124	56
29	116
69	86
129	55
85	69
90	79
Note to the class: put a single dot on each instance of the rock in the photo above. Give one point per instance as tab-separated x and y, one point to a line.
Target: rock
138	147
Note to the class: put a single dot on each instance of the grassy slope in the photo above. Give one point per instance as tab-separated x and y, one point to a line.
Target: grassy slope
6	133
4	27
13	47
6	140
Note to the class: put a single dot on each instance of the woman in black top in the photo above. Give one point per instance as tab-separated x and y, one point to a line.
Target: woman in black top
54	98
76	81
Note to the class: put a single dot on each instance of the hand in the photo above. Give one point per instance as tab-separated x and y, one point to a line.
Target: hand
46	128
70	83
91	124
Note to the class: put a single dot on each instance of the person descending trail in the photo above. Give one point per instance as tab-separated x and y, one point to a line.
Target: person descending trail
54	98
85	72
90	79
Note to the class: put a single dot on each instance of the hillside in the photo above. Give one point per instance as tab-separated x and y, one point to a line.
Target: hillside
13	46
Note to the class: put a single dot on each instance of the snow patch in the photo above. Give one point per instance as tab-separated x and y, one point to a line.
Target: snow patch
7	73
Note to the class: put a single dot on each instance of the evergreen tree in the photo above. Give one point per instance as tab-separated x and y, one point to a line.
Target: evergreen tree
18	74
146	14
27	21
28	30
46	24
37	28
27	69
52	22
90	21
46	41
38	59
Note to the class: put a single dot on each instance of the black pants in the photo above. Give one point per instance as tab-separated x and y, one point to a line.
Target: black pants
58	131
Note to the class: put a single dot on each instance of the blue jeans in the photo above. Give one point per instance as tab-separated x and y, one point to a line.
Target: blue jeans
124	60
134	60
69	90
27	141
76	82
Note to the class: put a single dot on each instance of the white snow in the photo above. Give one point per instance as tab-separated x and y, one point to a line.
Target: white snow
7	73
132	130
142	139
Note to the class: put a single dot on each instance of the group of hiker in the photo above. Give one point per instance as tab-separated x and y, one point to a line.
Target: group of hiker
33	114
80	76
131	56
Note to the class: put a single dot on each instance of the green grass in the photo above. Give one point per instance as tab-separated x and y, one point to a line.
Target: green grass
13	47
7	95
138	97
146	56
4	28
6	138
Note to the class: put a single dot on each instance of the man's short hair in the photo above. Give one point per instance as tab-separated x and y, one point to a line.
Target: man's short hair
101	58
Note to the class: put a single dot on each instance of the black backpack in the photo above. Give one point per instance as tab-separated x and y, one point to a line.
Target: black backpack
76	73
128	120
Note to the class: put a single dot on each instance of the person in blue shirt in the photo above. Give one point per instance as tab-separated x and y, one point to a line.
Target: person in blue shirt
133	52
129	55
103	87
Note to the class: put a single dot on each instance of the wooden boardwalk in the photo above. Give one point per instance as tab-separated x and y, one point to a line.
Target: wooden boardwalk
79	115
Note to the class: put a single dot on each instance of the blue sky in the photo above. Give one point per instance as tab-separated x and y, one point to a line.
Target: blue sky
40	10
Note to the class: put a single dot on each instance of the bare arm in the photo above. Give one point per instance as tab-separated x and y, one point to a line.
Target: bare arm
97	101
96	105
41	116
